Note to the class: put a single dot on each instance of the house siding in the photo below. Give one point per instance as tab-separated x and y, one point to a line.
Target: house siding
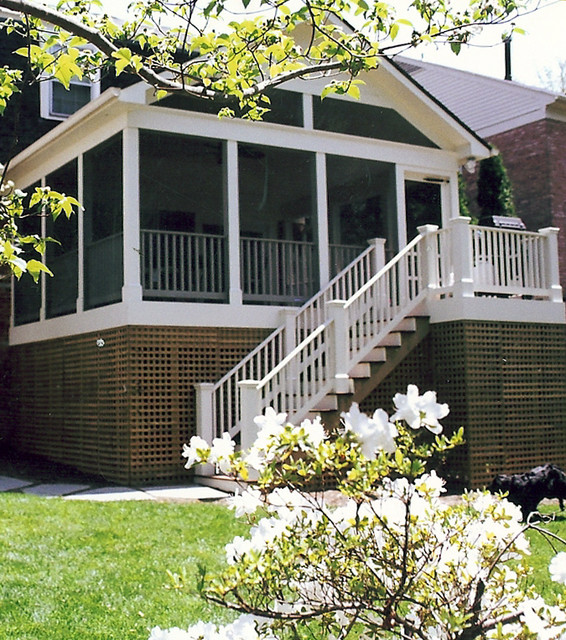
505	384
122	410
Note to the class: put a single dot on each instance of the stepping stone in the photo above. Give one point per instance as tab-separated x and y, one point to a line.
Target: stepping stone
110	494
10	484
192	492
55	490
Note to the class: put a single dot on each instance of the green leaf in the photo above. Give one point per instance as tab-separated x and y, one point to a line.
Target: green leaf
123	59
35	267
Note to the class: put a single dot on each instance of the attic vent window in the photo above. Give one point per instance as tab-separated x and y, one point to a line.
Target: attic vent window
58	103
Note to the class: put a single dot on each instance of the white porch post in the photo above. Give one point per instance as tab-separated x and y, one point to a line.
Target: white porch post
378	261
429	279
43	276
322	220
232	222
250	407
132	288
339	345
81	237
462	261
551	263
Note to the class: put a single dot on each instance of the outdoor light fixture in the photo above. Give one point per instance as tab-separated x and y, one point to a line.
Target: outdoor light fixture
470	164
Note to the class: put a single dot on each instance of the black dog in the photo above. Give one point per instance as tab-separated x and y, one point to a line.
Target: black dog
526	490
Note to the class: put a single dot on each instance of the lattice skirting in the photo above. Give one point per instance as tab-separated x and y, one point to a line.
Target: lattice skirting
504	382
122	410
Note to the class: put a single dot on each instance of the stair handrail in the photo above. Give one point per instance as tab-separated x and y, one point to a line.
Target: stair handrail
321	362
217	403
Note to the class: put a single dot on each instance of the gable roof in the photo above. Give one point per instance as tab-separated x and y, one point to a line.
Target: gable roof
488	105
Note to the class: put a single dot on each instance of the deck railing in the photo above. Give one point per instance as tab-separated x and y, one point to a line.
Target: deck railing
277	271
443	263
182	265
219	405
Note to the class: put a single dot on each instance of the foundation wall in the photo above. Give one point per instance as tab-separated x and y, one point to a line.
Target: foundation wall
119	403
505	384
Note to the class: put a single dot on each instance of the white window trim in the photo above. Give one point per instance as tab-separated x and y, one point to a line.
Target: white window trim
46	96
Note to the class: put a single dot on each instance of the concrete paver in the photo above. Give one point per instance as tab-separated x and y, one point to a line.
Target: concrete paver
110	494
72	491
53	490
10	484
193	492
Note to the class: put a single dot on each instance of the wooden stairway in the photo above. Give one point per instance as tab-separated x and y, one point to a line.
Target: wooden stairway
368	374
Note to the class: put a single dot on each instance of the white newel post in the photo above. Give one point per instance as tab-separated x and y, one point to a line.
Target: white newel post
288	321
250	407
205	410
462	260
378	245
339	345
205	421
551	263
429	256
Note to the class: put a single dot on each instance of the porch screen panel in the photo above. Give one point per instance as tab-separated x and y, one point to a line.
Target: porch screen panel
27	293
277	225
103	203
361	206
62	257
182	217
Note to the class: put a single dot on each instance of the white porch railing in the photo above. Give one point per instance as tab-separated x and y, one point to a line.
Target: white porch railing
277	271
218	404
182	265
448	262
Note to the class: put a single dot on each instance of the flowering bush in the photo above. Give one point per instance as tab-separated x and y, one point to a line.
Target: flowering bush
390	560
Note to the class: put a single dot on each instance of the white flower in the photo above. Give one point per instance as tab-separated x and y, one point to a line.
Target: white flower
430	484
246	503
418	411
557	568
236	549
271	425
373	433
222	449
314	431
197	451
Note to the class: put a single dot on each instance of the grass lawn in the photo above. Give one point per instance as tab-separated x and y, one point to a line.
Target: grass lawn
98	571
75	570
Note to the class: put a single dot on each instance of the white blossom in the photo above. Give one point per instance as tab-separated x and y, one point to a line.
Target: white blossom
418	411
245	503
373	433
557	568
313	431
197	451
222	449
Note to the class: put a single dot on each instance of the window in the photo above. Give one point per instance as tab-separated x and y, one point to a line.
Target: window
58	103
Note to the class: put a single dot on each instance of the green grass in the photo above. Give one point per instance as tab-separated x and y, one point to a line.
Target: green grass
543	549
98	571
